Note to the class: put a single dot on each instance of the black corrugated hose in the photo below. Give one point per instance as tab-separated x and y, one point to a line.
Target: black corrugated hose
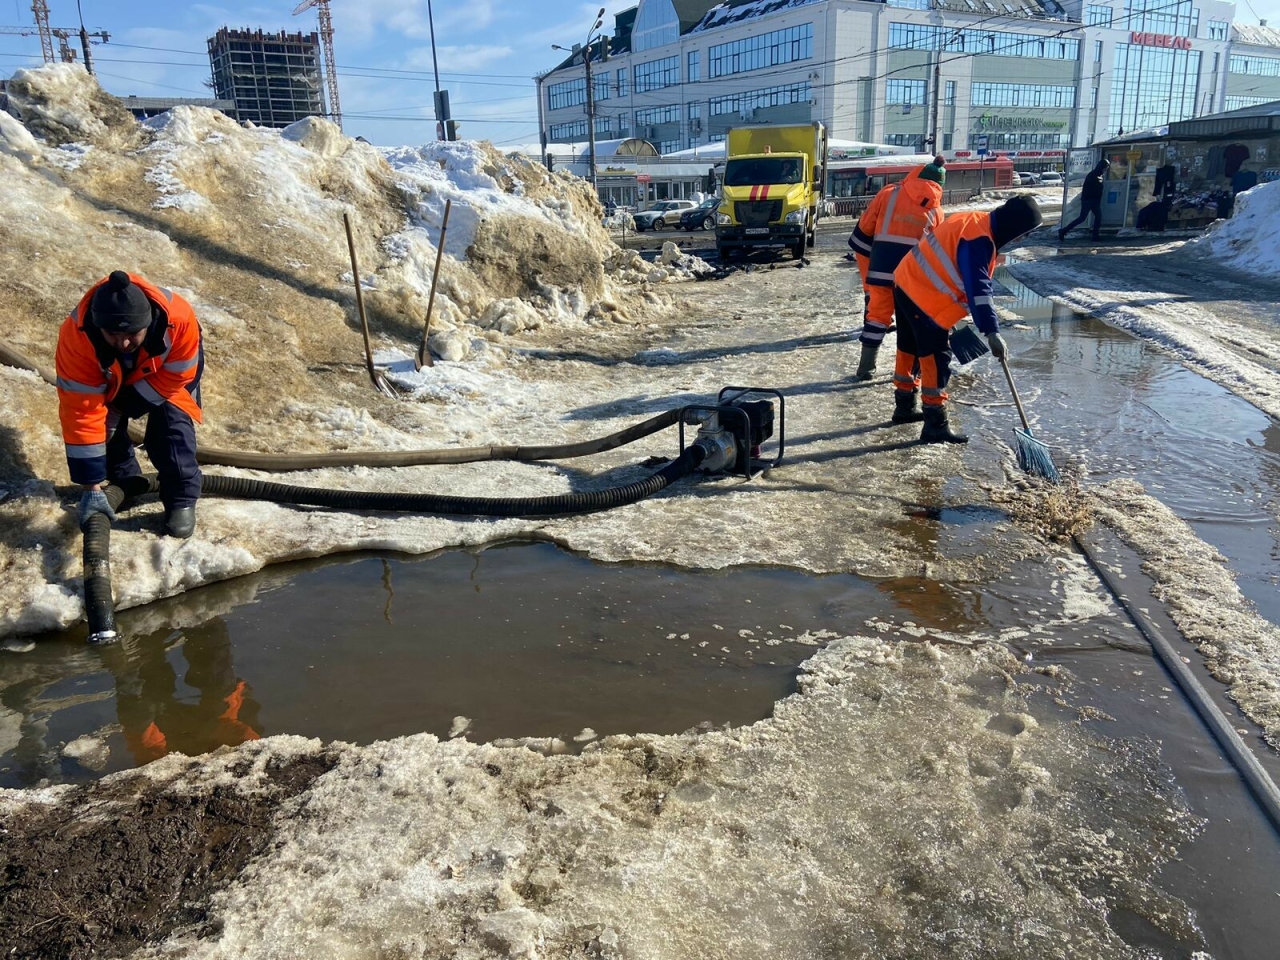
566	503
99	604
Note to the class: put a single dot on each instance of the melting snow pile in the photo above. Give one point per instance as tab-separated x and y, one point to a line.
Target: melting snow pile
1247	241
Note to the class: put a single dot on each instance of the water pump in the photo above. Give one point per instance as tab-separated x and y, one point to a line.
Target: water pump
734	430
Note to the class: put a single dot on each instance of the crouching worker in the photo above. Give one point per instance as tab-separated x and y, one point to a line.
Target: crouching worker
947	276
891	227
132	351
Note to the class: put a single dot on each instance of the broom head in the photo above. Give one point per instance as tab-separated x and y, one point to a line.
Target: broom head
1034	457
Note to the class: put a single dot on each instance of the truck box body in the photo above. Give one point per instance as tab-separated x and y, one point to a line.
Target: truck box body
773	180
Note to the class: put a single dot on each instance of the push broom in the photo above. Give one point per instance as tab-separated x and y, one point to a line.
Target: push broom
1033	456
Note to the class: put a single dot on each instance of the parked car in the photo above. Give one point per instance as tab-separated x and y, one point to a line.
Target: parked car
1026	178
1051	178
701	217
664	213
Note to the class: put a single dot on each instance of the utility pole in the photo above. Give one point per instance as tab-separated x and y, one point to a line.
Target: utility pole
591	100
933	103
441	100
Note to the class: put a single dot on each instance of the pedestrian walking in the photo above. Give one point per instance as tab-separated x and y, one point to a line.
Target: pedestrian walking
889	229
1090	200
947	276
132	351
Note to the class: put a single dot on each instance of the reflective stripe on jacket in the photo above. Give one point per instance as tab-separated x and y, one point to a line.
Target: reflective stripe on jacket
90	374
934	280
894	222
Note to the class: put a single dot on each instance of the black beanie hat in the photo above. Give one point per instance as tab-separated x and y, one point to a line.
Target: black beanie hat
1013	218
120	306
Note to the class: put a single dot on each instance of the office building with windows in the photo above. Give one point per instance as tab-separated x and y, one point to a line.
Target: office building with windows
1028	77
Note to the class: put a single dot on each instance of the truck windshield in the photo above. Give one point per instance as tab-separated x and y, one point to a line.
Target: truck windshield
746	173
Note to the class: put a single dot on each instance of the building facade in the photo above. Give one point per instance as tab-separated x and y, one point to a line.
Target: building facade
274	79
1032	78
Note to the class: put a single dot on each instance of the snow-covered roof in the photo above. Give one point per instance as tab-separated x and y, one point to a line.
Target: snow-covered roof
1255	34
733	11
836	150
625	147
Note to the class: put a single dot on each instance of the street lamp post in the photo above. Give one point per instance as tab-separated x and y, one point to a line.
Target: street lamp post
591	100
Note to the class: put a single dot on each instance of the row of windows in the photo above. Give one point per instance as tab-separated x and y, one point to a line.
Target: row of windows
904	92
918	36
1218	29
766	50
1180	19
656	74
1022	95
755	99
1096	16
1020	141
1254	66
577	130
570	93
656	115
1152	86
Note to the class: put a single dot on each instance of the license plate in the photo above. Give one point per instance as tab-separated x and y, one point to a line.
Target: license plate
756	231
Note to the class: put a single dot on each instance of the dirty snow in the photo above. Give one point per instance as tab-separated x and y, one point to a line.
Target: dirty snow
1248	240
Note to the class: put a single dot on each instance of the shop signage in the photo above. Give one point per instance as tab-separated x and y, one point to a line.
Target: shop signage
1159	40
988	121
642	178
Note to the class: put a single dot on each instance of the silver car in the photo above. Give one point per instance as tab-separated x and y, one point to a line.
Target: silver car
664	213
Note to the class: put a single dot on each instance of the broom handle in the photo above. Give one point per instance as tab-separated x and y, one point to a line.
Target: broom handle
424	351
1017	400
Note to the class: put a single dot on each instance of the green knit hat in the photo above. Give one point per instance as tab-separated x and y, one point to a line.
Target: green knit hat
934	172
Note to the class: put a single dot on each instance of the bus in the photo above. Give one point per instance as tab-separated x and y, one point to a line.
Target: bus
852	183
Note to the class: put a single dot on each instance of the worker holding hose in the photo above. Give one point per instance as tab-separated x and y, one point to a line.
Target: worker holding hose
132	351
947	276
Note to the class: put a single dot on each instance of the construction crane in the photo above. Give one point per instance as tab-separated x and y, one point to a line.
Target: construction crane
64	34
330	64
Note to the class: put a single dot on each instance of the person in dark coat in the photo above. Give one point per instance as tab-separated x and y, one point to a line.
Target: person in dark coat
1090	200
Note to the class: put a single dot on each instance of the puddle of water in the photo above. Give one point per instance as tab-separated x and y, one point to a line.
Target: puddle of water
525	640
1129	412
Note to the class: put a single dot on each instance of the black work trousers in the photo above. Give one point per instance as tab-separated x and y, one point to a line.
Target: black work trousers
170	442
1087	207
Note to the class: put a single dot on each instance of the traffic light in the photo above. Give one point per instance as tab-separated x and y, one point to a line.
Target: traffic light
451	129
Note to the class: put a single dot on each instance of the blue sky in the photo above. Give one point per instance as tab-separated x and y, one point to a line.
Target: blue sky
488	51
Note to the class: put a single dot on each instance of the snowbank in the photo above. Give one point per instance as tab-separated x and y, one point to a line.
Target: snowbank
1248	240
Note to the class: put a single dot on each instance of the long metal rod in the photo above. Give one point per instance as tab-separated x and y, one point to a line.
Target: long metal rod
424	351
1255	775
377	380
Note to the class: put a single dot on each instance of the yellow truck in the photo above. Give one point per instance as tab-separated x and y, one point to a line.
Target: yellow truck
771	187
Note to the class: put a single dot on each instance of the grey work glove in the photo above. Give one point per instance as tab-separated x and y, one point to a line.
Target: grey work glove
999	349
91	502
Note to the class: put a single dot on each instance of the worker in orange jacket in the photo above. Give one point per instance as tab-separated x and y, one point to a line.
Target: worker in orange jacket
889	230
947	276
130	351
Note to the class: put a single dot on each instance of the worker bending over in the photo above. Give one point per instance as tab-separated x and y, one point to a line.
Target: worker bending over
889	230
947	276
131	351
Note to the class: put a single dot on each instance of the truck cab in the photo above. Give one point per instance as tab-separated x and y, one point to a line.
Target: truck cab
772	188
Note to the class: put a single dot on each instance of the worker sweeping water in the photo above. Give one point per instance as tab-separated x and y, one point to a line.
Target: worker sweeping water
947	276
131	351
889	230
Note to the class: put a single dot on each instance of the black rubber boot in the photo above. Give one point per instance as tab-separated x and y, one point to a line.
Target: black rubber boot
906	407
937	429
180	522
867	363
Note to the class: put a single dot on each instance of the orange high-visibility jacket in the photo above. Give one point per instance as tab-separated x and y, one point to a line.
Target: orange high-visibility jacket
932	278
894	223
90	374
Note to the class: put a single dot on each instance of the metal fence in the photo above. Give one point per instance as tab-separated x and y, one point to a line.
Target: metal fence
857	206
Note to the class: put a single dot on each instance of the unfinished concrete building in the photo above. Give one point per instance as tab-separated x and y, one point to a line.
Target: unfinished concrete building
273	78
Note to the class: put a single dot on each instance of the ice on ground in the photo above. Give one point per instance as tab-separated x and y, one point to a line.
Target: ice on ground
907	801
1247	241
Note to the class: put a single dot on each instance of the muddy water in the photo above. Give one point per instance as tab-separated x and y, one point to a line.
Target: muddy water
1126	411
